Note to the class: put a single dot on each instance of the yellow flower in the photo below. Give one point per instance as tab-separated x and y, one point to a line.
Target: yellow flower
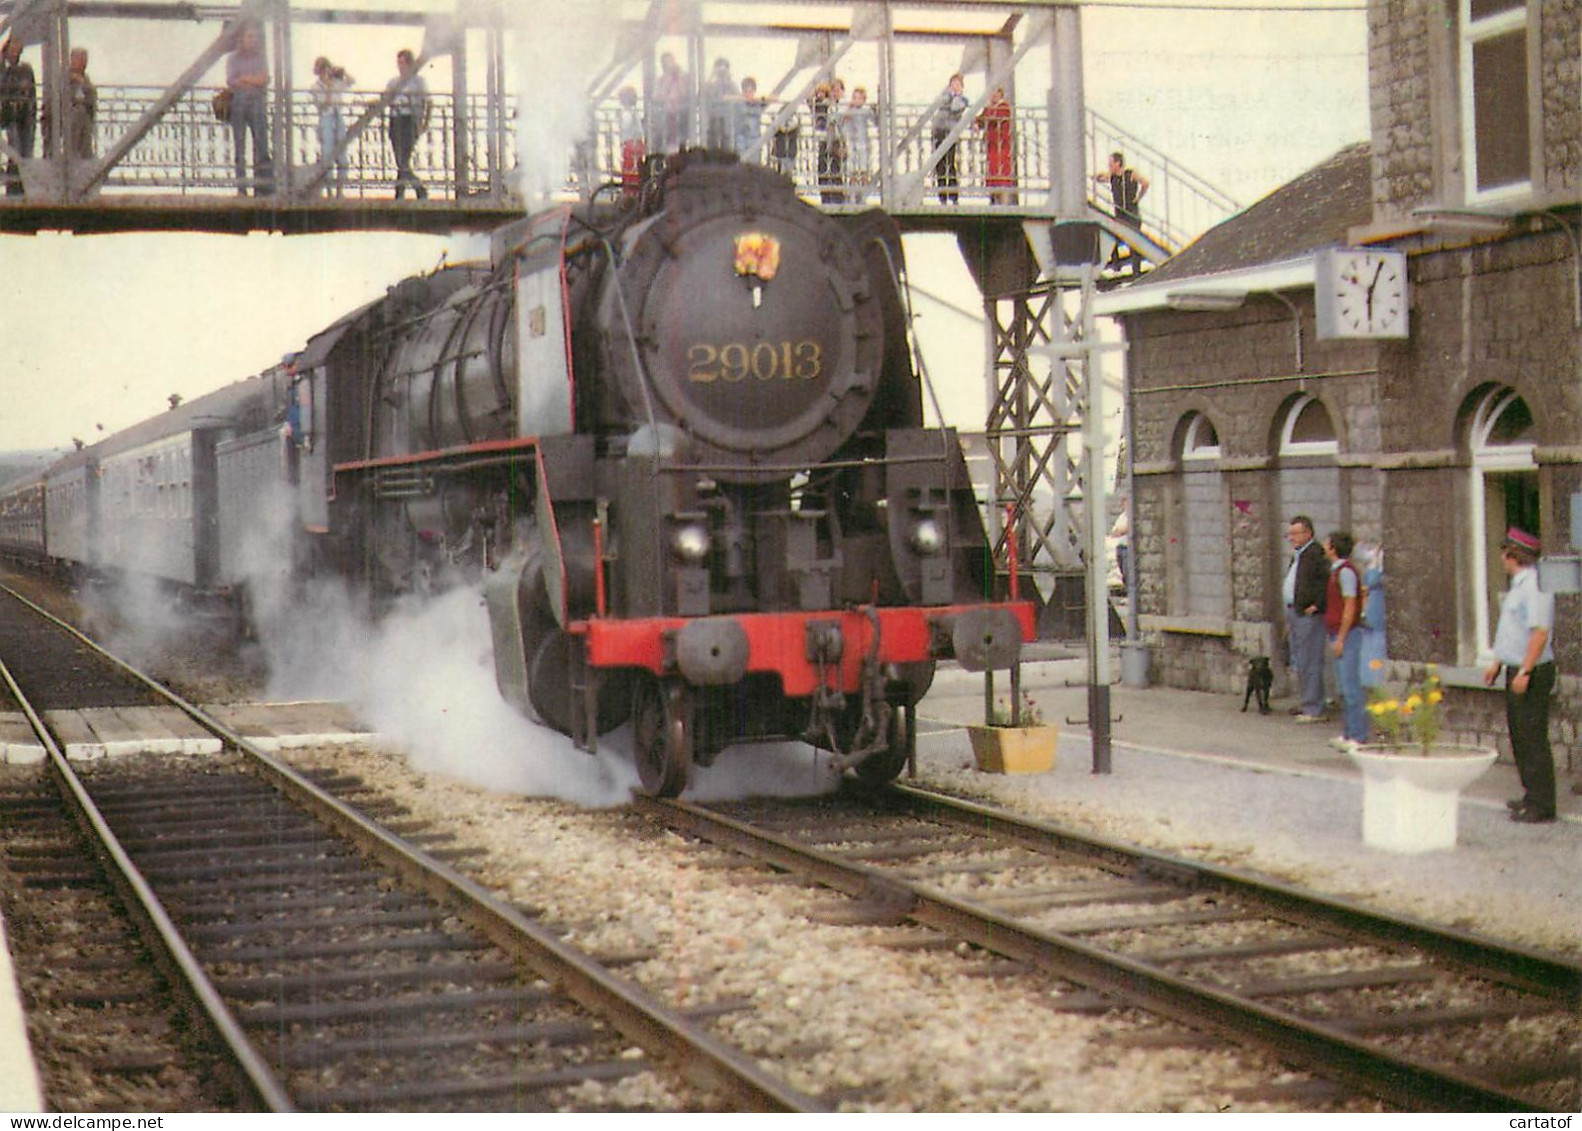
1435	696
1413	701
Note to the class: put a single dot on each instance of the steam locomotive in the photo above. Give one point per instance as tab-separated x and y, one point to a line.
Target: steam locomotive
677	439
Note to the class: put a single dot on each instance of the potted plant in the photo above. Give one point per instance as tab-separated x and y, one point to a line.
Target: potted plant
1412	782
1014	739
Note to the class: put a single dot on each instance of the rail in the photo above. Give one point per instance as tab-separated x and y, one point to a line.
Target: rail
667	1035
898	849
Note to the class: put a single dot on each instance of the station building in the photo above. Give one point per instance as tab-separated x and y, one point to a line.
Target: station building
1277	367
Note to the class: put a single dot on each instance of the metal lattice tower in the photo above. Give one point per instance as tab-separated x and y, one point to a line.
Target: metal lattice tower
1034	409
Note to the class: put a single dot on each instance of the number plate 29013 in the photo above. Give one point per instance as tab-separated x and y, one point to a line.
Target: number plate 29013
767	361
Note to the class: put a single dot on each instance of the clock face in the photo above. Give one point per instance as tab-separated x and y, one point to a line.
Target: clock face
1362	294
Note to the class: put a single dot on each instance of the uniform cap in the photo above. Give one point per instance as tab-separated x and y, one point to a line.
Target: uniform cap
1522	540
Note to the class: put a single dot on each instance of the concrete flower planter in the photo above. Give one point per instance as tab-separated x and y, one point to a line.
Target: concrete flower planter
1014	750
1410	801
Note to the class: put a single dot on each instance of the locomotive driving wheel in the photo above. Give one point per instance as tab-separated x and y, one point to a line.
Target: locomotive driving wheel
663	736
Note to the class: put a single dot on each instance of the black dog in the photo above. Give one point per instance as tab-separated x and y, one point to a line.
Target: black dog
1260	678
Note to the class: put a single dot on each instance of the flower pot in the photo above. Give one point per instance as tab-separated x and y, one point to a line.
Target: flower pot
1014	750
1410	800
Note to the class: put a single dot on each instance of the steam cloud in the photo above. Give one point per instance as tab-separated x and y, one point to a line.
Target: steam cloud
423	677
556	66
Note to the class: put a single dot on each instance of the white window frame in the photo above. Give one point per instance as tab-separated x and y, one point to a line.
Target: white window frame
1290	447
1194	445
1200	464
1474	32
1489	458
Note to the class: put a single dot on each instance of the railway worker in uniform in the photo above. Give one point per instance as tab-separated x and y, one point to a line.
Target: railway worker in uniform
247	77
18	109
1524	649
409	110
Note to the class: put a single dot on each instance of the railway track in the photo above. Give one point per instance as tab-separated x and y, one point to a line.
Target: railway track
1419	1017
331	963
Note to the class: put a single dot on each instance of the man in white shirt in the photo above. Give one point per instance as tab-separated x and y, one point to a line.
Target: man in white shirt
1306	591
1524	650
409	110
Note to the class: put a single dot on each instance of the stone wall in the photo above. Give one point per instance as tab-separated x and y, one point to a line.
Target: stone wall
1562	96
1415	104
1486	313
1400	71
1247	360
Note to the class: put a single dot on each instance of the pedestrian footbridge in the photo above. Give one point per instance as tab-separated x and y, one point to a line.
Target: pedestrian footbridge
160	160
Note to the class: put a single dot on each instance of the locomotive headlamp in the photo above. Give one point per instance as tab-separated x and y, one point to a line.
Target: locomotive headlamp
757	254
757	259
927	538
690	543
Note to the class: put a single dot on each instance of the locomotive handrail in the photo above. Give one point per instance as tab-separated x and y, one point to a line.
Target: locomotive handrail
631	339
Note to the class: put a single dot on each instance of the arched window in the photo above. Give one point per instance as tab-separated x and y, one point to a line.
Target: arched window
1308	430
1504	494
1309	477
1200	440
1198	554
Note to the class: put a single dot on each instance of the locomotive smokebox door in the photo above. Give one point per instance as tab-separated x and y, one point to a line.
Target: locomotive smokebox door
749	322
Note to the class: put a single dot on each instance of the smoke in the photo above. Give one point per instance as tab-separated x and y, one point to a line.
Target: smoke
138	618
561	44
423	676
425	679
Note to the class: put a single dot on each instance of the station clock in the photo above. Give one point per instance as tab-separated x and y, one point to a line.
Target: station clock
1360	293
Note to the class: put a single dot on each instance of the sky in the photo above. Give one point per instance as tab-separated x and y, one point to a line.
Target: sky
102	329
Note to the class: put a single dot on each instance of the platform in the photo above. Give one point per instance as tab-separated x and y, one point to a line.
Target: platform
110	732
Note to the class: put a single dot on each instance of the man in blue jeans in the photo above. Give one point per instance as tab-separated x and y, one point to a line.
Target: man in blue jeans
247	76
1342	612
1306	585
